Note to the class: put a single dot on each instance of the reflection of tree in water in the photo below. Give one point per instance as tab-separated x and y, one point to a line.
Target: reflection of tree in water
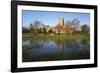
86	43
72	44
38	44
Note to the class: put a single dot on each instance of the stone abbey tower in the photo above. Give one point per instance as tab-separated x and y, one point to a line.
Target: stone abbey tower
61	21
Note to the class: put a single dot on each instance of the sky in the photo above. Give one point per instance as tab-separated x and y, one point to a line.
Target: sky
50	17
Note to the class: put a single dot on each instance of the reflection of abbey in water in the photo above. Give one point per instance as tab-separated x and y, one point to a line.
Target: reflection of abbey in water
62	45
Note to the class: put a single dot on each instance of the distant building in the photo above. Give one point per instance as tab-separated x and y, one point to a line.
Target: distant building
54	30
61	23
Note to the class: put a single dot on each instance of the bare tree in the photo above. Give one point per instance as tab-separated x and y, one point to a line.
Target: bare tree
38	24
36	27
32	29
75	23
69	27
72	26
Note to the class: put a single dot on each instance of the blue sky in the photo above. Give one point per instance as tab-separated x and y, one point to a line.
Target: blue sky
50	18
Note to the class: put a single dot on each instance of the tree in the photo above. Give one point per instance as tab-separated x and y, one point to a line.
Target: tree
72	26
36	27
38	24
58	28
85	28
44	30
32	29
69	27
25	30
75	24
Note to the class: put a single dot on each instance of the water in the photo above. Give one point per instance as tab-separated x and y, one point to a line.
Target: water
56	50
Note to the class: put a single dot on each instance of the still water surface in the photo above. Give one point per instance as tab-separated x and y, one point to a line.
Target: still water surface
78	49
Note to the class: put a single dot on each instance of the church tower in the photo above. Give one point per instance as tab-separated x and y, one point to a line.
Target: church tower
61	21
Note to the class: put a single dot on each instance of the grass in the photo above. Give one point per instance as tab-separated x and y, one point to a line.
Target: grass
56	37
25	48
